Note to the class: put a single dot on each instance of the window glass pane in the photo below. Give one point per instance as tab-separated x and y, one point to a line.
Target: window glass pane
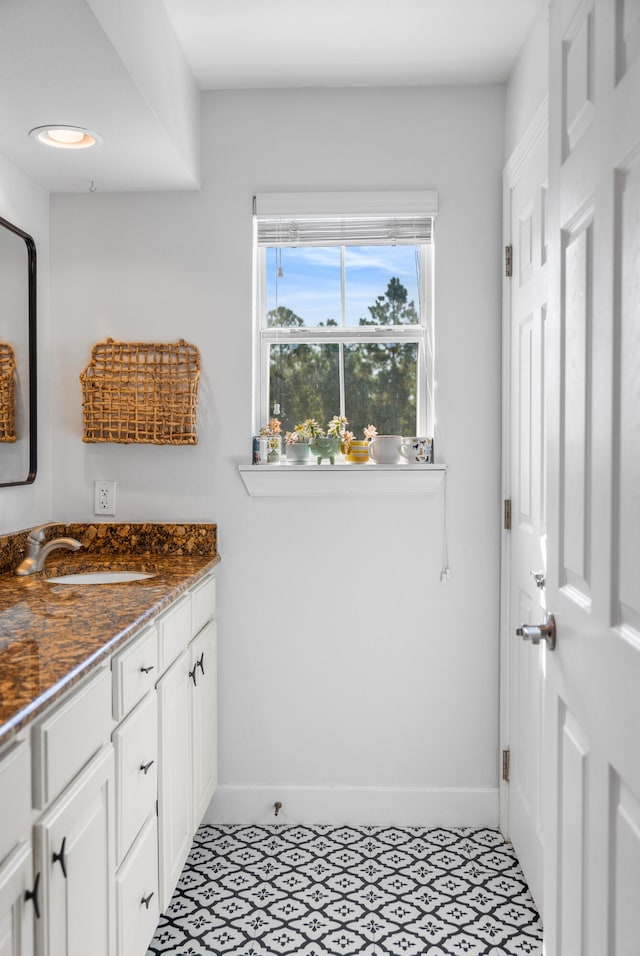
382	285
308	290
304	380
381	387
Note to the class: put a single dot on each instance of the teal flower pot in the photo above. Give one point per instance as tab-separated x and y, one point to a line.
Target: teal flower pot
325	448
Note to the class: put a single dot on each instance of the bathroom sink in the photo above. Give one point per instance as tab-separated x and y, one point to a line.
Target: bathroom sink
100	577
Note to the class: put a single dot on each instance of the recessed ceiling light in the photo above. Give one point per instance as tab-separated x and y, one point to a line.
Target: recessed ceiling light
65	137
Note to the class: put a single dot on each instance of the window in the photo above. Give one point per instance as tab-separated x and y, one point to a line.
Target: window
343	305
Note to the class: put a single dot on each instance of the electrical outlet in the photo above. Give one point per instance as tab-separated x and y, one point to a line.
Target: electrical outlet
104	497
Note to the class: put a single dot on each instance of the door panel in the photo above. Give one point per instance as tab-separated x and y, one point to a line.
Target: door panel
576	397
591	763
627	449
574	749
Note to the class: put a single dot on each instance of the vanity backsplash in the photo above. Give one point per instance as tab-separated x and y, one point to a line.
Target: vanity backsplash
122	538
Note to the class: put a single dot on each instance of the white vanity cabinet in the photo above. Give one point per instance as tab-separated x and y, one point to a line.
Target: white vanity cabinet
73	838
135	742
19	891
17	896
102	793
74	851
187	705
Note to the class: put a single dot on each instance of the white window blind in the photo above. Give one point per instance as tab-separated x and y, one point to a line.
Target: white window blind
323	219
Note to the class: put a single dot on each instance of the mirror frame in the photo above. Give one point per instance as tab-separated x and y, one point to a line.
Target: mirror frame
33	389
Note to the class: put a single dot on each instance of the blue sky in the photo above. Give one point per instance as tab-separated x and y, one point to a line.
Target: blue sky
310	285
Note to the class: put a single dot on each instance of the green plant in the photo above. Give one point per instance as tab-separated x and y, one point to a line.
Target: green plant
307	430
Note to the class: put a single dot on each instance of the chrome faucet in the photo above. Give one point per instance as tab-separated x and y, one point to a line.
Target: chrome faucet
36	550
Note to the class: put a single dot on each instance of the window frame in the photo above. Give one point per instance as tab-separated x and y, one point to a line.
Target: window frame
421	334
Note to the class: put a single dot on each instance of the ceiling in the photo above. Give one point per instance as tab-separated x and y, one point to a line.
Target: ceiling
133	70
299	43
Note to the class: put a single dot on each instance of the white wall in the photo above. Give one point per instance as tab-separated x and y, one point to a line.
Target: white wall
353	684
529	81
26	205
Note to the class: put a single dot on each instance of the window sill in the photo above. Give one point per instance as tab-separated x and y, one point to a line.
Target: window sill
286	481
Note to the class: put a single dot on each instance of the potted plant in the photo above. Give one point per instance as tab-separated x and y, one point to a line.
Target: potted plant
327	444
270	442
297	441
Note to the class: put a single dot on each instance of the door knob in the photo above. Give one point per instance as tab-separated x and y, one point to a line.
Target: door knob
537	632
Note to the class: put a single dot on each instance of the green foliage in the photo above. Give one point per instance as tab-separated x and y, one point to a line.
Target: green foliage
380	378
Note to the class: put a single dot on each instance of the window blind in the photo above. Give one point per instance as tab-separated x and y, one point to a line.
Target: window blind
324	219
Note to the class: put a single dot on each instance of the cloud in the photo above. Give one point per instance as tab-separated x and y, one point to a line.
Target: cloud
310	284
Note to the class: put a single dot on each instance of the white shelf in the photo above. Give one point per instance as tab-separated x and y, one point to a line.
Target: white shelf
286	480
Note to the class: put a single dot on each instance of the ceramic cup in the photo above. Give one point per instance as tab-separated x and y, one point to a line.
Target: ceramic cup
358	452
385	449
417	451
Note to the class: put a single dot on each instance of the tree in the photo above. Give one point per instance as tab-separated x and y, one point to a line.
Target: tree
283	317
380	378
392	307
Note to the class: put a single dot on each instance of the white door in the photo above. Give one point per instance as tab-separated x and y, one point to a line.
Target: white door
74	846
19	903
204	711
592	707
525	544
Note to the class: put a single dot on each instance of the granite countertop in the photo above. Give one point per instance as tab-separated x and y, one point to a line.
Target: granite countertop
52	635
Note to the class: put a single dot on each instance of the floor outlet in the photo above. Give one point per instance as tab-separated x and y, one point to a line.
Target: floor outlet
104	497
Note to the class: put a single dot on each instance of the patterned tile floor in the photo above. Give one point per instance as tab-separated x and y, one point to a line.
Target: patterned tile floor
337	891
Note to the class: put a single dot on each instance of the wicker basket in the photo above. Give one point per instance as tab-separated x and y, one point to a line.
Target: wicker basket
7	393
142	392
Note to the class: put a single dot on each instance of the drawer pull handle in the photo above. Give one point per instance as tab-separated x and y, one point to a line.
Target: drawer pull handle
192	675
146	900
33	895
146	670
59	857
145	767
200	662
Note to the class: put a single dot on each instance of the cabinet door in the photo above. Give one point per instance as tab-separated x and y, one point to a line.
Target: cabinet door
135	743
16	911
74	845
15	794
204	692
174	775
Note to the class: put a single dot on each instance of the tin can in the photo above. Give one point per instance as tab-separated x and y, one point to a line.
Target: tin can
266	449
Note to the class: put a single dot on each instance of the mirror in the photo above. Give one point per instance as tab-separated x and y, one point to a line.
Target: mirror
18	431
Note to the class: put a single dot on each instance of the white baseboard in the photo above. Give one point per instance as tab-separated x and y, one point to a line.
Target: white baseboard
356	806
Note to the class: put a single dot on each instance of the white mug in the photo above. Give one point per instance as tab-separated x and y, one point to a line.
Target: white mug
417	450
385	449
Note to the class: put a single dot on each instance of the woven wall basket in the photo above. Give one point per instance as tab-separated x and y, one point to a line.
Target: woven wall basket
141	392
7	393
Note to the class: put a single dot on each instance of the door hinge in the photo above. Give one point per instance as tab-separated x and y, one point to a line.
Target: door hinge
508	261
506	763
507	514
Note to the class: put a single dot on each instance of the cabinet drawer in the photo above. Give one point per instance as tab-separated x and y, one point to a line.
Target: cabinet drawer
136	746
137	893
15	787
135	672
69	736
203	603
174	632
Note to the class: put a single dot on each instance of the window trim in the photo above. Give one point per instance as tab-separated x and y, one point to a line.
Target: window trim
376	205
